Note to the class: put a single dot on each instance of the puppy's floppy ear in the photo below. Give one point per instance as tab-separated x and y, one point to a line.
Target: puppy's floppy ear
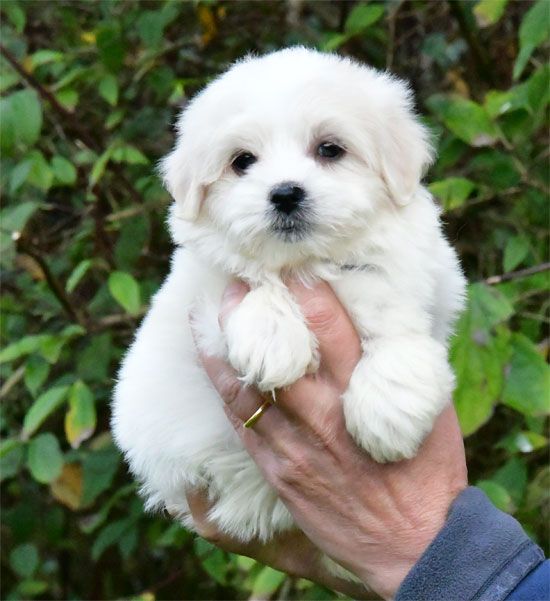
404	145
183	184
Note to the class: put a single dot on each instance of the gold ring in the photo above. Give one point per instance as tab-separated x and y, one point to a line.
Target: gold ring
257	414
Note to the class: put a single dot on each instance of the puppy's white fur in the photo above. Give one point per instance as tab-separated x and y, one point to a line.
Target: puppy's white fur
374	233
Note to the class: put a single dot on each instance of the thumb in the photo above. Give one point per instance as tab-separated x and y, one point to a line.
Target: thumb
233	295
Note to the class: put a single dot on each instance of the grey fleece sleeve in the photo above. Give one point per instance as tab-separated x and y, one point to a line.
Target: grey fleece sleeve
481	553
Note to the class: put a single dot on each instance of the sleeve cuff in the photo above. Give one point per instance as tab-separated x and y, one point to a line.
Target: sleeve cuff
481	553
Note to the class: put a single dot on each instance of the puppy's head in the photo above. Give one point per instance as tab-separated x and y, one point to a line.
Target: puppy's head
293	154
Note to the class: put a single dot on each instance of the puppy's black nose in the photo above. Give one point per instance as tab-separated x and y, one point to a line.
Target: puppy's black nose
286	197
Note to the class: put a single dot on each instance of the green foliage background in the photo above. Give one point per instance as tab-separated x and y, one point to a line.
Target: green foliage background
89	94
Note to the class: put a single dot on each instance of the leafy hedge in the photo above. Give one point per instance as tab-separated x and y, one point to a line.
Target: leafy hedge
89	93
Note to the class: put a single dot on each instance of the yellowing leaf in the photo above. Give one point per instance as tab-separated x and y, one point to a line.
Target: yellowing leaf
208	22
80	420
488	12
88	37
67	489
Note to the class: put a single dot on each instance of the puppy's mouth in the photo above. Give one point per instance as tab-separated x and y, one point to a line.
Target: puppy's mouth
290	228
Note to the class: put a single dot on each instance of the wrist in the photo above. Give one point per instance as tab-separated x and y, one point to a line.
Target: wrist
407	545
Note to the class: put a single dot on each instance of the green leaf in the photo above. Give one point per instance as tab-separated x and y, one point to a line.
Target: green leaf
127	543
524	442
11	457
36	373
27	111
125	291
80	420
64	171
92	363
110	535
32	588
19	174
13	220
108	89
8	445
498	495
538	89
516	249
99	167
68	97
42	408
25	346
77	274
43	57
150	27
452	191
527	387
16	15
15	217
50	347
267	582
20	119
111	46
215	564
495	169
489	12
534	30
133	238
334	41
479	356
468	120
488	307
24	560
513	477
99	469
40	174
362	17
129	154
45	459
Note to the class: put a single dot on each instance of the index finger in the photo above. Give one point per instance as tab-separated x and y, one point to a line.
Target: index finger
339	343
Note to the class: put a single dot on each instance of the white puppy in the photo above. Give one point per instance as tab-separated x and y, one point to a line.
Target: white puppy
310	164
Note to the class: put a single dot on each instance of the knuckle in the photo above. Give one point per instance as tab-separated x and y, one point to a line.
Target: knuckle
210	533
326	433
320	312
229	388
293	469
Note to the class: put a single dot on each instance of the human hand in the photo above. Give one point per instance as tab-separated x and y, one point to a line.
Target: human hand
291	552
374	519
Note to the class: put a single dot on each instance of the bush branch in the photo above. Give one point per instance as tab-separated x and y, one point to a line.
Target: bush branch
516	275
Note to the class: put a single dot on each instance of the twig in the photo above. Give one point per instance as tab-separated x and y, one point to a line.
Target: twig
49	97
12	381
472	36
168	580
516	275
110	321
391	28
54	285
69	117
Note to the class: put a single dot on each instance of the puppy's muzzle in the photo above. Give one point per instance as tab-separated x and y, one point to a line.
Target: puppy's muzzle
287	197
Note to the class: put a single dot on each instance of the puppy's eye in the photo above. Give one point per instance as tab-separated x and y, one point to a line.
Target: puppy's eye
242	162
329	150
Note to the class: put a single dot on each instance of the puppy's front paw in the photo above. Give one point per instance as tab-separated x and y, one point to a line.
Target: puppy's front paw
268	342
395	394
